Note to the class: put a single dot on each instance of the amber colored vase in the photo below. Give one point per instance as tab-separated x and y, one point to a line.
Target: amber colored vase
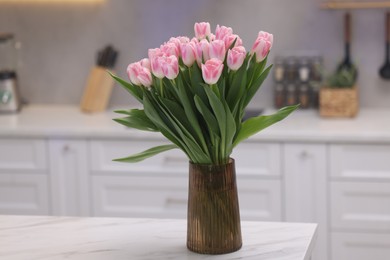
213	219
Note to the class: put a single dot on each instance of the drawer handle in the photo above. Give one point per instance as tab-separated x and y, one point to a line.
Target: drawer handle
65	148
304	154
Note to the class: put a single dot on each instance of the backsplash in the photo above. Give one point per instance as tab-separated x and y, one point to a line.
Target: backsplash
60	41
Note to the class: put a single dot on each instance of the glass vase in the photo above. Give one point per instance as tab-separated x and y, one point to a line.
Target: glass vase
213	219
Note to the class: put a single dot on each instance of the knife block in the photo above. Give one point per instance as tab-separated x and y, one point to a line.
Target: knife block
97	91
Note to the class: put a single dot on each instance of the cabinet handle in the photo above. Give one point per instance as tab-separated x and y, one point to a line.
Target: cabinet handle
65	148
304	154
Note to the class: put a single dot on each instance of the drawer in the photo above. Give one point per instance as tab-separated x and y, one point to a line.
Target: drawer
360	246
147	197
22	154
260	200
251	158
24	194
360	206
259	159
360	162
103	152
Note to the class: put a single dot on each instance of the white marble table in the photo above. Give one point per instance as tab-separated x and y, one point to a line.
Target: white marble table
43	237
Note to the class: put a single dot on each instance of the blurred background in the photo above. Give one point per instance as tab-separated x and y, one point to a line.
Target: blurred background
60	39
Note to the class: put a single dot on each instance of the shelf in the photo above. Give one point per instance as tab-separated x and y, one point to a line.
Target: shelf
355	5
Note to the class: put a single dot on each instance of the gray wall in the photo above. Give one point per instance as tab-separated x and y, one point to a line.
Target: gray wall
60	40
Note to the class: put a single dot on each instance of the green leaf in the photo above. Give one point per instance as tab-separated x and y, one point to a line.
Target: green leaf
254	87
256	124
220	114
136	119
208	116
135	91
146	154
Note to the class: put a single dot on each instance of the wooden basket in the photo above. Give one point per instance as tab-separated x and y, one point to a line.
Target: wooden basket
336	102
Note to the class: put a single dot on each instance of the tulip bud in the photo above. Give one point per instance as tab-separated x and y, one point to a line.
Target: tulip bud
202	30
145	63
217	50
156	65
236	57
262	45
139	75
188	53
222	31
230	39
212	70
132	73
171	67
202	51
145	77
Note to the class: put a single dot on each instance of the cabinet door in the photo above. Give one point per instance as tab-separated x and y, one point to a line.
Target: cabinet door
260	200
69	177
360	246
24	194
360	162
305	176
23	155
140	196
360	206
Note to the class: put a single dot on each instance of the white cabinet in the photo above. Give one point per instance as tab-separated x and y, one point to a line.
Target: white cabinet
69	177
305	189
140	196
25	194
360	206
158	187
360	246
359	201
23	177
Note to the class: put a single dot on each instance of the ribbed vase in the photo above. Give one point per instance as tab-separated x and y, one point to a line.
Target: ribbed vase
213	219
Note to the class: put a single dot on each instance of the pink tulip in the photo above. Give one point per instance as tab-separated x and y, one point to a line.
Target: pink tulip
267	36
145	77
202	51
132	72
145	63
188	53
139	75
171	67
156	65
154	53
179	40
230	39
169	49
217	50
202	30
262	45
222	31
212	70
236	57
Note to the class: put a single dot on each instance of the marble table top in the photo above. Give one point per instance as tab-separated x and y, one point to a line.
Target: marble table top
47	237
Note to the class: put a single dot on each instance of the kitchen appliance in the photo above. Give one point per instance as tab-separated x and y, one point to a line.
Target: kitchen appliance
384	72
9	92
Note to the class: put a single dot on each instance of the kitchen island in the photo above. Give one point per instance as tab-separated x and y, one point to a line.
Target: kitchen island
74	238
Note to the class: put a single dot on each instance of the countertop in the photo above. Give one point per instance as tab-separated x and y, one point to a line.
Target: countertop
48	121
75	238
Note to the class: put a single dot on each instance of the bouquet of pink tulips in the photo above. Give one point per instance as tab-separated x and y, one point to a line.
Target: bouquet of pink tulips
195	91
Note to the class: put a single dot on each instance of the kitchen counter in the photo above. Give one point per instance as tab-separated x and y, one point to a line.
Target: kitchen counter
41	237
372	126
